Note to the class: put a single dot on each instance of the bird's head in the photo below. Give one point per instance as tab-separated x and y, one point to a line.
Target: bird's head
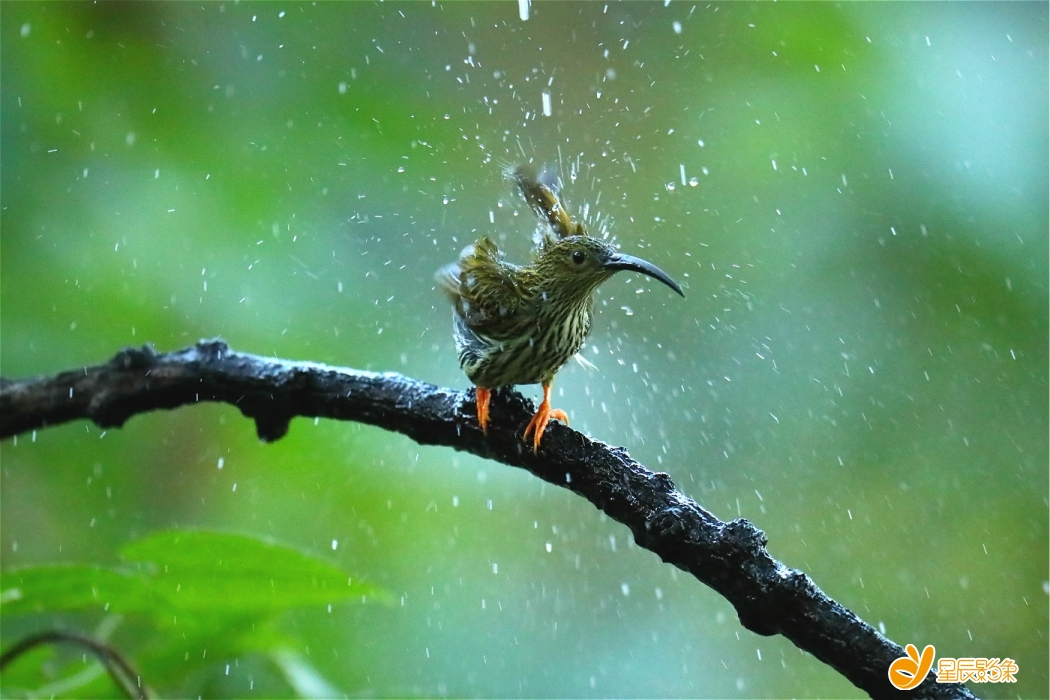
577	265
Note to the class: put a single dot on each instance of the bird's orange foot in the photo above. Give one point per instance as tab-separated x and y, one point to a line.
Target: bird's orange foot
544	414
483	396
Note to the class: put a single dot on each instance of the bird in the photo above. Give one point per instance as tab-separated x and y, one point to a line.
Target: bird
519	324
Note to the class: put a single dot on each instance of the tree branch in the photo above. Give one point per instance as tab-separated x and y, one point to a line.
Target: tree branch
123	673
730	557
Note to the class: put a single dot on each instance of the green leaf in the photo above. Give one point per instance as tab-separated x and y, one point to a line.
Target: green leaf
208	595
187	572
75	587
210	571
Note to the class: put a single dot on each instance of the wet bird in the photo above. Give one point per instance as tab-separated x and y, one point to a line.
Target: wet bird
520	324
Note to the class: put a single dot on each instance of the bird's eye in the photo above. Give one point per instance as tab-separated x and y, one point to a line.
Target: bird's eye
577	256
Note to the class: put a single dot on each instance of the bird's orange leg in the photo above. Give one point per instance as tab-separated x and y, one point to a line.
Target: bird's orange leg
544	414
483	396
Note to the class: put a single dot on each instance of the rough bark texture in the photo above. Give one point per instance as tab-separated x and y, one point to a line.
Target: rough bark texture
730	557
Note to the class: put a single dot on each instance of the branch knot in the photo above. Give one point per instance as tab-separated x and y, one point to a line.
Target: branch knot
135	358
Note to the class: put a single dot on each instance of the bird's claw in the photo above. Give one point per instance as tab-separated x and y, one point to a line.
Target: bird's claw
538	424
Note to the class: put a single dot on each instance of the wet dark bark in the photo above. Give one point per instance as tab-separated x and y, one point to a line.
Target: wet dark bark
730	557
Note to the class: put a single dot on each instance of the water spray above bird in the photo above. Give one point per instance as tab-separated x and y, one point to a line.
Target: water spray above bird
520	324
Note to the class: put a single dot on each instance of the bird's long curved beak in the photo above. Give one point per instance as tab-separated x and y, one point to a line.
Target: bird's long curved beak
622	261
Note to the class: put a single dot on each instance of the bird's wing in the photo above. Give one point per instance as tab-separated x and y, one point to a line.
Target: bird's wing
484	288
447	279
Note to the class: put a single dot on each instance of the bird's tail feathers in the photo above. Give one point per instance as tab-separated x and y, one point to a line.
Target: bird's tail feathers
584	362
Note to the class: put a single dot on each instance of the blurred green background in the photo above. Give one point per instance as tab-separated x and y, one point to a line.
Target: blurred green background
853	196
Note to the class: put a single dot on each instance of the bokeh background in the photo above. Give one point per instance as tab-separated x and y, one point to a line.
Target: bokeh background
853	196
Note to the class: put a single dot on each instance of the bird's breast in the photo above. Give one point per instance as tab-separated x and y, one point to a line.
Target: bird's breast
532	355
